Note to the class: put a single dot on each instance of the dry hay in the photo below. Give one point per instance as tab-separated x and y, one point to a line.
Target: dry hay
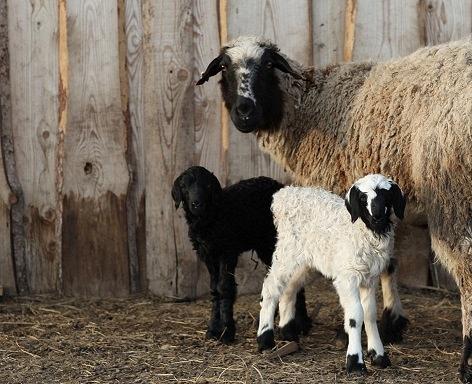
144	340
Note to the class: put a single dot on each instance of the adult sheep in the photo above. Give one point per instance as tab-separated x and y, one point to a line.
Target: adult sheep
408	118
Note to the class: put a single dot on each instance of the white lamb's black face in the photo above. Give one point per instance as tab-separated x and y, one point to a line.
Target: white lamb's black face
374	198
250	84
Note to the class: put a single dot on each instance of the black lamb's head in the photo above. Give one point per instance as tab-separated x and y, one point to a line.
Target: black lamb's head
377	201
197	189
250	82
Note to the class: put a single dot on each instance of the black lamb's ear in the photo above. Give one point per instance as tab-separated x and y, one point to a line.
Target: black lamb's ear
177	192
281	64
398	200
213	68
353	203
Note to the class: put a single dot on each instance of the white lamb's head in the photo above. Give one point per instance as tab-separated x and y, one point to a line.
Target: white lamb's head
377	201
251	69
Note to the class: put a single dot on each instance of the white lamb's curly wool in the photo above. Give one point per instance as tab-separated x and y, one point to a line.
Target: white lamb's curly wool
326	243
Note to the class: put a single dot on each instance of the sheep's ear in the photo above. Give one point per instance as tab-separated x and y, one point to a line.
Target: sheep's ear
213	68
398	200
281	64
177	192
353	203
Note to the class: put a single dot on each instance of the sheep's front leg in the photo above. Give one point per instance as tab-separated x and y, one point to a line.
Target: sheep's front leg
214	326
393	322
227	292
375	347
274	285
353	318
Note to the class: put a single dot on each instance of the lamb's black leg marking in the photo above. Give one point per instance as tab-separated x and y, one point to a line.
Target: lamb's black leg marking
353	366
227	291
465	370
392	326
266	340
290	331
302	320
214	325
381	361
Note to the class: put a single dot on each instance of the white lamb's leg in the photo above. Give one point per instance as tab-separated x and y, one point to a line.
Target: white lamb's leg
274	284
349	298
287	308
375	347
393	322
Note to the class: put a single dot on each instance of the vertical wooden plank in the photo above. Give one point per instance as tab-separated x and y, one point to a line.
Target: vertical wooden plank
169	142
33	28
95	253
287	23
444	20
385	29
136	158
328	31
207	110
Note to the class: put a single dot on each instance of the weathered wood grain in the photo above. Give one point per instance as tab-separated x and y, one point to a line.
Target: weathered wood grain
169	143
444	20
288	24
385	29
33	28
135	154
95	252
208	147
328	31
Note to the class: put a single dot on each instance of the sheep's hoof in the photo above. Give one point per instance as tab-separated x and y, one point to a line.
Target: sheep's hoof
228	334
353	367
341	338
380	361
266	340
303	324
289	332
465	373
392	327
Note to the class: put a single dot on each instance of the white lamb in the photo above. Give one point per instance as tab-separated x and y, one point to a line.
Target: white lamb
317	232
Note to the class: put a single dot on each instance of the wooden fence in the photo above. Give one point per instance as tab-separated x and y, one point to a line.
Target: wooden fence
99	114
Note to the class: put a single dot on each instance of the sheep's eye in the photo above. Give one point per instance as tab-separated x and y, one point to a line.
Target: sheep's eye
223	67
269	65
363	199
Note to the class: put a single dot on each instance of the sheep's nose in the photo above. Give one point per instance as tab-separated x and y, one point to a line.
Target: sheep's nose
196	204
244	107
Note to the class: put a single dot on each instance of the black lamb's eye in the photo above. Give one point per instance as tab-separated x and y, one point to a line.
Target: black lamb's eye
269	65
223	67
363	199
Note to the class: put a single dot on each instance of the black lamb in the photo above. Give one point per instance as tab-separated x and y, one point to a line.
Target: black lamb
222	224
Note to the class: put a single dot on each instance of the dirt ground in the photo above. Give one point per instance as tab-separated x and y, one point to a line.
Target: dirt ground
146	340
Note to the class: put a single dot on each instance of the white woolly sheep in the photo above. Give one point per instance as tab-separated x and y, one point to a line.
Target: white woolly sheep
410	118
316	232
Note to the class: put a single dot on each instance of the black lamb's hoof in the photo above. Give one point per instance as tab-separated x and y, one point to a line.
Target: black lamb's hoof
465	373
289	332
266	340
214	330
341	338
392	327
304	324
380	361
353	367
228	334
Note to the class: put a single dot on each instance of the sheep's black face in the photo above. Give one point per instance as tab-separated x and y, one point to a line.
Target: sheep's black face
250	84
196	189
374	199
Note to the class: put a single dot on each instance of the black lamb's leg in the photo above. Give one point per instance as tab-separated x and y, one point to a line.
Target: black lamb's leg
302	320
214	326
227	291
